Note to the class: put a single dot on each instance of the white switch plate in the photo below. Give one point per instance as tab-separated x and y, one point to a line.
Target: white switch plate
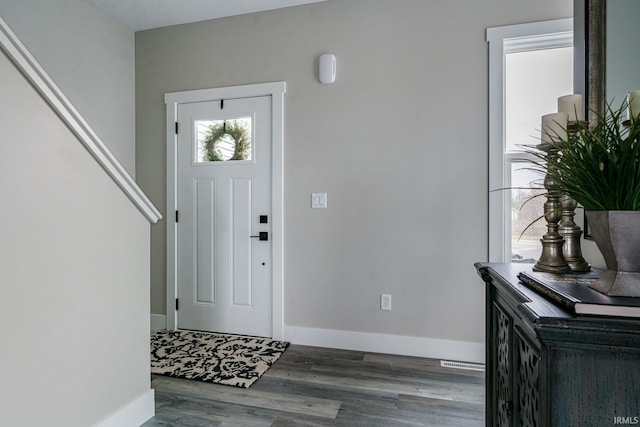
319	200
385	302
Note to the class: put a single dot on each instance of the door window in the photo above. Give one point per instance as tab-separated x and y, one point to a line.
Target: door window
224	140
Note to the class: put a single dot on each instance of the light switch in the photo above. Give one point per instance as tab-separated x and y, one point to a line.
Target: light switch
318	200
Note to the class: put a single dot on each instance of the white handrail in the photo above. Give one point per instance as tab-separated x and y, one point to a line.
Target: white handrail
41	81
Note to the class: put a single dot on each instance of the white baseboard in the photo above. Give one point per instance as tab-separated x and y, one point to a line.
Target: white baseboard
390	344
134	414
158	322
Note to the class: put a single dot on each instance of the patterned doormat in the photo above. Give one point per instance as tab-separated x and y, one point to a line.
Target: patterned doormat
217	358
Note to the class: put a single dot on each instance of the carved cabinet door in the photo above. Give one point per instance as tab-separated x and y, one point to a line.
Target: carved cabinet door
516	367
527	382
502	392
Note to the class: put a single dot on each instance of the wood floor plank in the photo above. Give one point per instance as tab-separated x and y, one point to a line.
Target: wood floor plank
446	408
338	379
423	365
388	368
296	352
312	386
404	372
250	397
327	391
183	411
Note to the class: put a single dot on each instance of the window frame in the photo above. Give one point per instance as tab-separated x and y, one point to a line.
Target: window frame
502	41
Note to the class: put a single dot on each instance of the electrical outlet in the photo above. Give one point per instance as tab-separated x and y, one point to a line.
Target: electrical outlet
385	302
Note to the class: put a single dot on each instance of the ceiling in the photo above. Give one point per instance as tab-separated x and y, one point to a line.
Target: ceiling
146	14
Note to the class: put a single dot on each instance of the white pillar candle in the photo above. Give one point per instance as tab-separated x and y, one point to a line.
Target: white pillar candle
554	128
634	103
572	105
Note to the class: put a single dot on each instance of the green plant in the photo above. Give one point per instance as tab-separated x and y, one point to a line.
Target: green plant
597	166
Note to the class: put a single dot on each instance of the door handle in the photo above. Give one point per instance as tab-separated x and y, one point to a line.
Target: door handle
262	236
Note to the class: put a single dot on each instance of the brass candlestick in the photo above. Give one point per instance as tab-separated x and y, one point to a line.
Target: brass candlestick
567	228
570	232
552	259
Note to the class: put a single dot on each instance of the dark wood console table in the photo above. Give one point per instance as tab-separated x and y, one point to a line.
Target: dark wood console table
547	366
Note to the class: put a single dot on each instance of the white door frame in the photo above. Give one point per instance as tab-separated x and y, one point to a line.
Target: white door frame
276	90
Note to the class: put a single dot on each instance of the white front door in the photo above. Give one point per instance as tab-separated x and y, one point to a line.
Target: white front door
224	209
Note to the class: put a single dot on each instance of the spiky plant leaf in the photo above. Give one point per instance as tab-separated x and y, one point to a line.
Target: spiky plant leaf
597	166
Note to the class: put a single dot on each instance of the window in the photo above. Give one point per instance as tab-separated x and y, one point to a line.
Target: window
223	140
530	66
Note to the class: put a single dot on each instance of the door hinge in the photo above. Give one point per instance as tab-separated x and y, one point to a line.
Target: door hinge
176	128
177	305
176	216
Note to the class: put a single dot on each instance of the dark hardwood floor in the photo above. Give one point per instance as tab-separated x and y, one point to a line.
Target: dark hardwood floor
312	386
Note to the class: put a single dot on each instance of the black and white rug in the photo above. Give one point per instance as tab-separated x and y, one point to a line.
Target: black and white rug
217	358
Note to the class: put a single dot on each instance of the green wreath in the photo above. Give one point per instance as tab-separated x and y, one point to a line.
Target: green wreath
239	134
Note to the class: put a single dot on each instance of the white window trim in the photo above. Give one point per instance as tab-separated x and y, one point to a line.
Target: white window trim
503	40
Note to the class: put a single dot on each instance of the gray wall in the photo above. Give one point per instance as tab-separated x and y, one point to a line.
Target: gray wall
399	143
90	57
75	251
75	271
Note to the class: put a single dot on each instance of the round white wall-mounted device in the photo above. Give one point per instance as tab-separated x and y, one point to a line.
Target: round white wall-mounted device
327	68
